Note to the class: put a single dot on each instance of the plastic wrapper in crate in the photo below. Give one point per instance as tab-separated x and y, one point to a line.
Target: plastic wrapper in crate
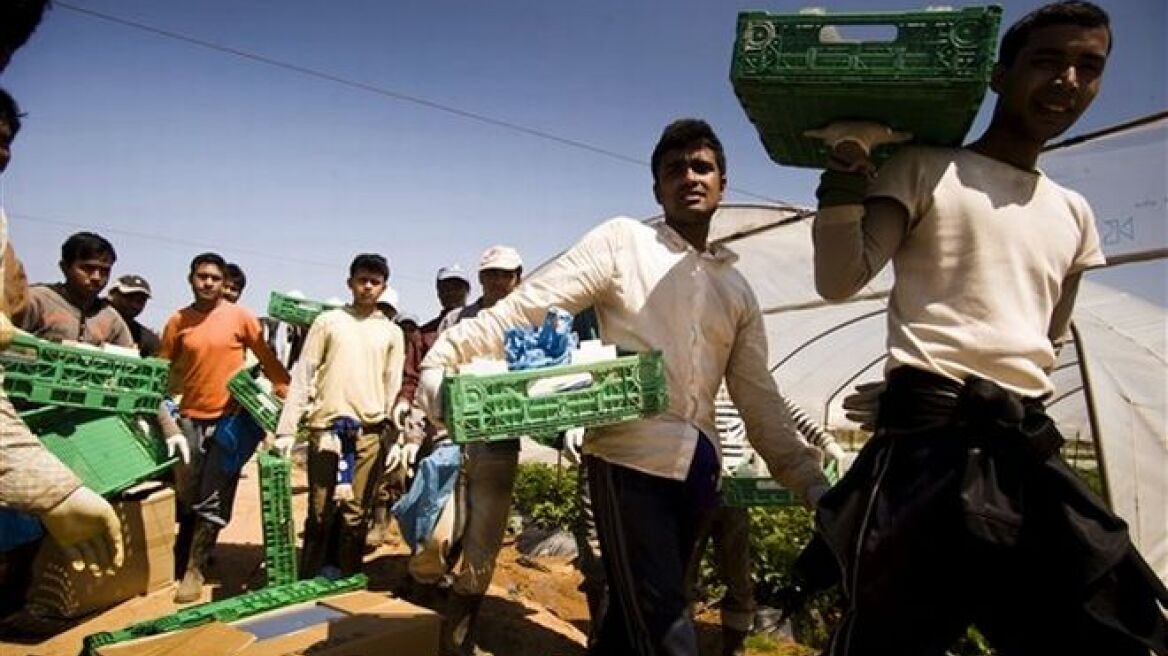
43	372
797	72
278	522
265	408
744	491
109	453
502	406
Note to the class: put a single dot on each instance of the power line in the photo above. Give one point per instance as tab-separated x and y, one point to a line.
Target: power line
381	91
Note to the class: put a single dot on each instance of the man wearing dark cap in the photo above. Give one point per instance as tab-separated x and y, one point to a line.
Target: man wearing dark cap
129	296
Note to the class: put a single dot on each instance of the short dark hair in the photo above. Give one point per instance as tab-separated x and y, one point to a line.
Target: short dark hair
209	258
86	245
10	112
1069	12
18	20
235	274
683	133
369	262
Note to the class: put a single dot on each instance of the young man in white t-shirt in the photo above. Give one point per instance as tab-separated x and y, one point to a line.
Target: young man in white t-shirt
343	386
959	511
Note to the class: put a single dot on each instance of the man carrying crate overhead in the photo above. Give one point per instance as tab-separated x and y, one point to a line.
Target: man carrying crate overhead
960	510
654	481
205	343
344	387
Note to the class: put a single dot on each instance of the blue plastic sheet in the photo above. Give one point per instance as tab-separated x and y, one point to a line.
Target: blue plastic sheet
238	434
17	528
417	511
549	345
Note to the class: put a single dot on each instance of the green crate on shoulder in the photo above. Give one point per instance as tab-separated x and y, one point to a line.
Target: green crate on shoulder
263	406
109	453
746	491
296	311
41	372
502	406
797	72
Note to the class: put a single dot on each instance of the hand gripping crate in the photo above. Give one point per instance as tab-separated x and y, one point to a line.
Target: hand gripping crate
277	519
264	407
109	453
296	311
229	610
499	406
44	372
746	491
792	72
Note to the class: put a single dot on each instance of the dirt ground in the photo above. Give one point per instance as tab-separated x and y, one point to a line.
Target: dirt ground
533	607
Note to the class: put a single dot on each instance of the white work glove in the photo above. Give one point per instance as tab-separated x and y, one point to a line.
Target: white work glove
851	143
283	445
409	455
88	530
178	444
400	414
573	443
863	405
393	459
430	388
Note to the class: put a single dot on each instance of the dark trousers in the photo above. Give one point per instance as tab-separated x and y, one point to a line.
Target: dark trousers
648	528
960	511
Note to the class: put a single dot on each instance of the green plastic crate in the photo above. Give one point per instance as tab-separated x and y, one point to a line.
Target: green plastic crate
929	80
264	407
43	372
278	522
495	407
743	491
296	311
230	610
109	453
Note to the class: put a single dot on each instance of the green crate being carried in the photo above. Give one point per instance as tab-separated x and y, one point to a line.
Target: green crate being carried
108	452
263	406
798	72
294	309
742	491
507	405
42	372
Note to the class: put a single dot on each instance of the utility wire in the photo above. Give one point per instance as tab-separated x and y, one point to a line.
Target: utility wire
381	91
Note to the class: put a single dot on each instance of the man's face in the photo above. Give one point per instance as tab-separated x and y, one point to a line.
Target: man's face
231	290
367	287
452	293
87	276
207	283
1052	81
5	144
689	184
128	305
497	283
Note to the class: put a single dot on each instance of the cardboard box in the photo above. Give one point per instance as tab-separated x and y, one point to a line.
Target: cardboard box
353	624
148	532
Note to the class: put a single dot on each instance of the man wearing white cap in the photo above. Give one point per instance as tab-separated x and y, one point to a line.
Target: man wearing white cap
129	296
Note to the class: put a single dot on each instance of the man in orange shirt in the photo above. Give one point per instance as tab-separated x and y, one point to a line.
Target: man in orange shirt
205	343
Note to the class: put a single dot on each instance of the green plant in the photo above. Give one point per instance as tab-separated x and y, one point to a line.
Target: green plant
546	495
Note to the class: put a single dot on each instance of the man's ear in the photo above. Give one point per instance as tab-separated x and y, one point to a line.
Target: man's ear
997	78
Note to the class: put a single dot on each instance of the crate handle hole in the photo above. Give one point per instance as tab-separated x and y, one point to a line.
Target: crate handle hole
559	384
858	34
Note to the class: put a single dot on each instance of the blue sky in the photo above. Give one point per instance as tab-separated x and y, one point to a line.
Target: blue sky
169	148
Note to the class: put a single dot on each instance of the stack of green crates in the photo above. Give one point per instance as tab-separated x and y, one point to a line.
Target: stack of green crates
746	491
295	311
498	406
89	408
791	74
264	407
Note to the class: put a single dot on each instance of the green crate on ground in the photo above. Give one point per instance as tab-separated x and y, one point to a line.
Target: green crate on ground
43	372
498	406
746	491
109	453
263	406
278	522
791	75
230	610
296	311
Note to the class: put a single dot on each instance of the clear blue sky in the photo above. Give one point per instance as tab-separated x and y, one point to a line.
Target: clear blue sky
169	148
